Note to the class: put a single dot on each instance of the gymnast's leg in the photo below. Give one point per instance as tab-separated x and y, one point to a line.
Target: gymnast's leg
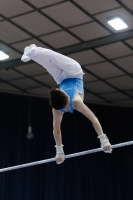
64	63
32	52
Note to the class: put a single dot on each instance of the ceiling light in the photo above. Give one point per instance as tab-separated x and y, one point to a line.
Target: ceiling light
117	24
3	56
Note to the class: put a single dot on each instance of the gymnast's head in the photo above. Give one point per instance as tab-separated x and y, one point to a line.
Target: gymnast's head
58	98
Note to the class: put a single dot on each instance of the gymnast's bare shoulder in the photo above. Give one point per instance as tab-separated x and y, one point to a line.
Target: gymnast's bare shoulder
80	106
78	98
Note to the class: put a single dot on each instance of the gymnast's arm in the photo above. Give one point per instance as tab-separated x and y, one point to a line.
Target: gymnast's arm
81	107
57	118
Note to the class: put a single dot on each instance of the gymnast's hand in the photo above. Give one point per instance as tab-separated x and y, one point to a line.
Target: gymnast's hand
60	157
105	144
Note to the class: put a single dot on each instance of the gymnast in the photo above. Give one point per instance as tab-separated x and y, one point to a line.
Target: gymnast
69	96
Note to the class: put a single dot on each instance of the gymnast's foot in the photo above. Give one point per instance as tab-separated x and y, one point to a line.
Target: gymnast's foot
29	52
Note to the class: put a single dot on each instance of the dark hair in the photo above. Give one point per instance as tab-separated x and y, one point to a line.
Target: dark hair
58	100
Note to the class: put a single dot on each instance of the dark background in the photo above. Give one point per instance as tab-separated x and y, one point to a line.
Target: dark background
96	176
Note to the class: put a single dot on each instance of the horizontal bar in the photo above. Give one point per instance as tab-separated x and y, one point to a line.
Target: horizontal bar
67	156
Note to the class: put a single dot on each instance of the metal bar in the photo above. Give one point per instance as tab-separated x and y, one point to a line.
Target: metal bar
67	156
